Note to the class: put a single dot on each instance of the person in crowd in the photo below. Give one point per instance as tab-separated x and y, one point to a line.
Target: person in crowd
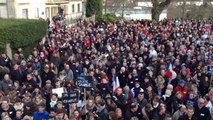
190	115
89	107
119	114
177	101
162	62
201	111
19	115
181	111
41	113
147	111
159	114
131	113
101	111
182	88
142	101
19	105
135	90
5	116
119	98
6	107
6	84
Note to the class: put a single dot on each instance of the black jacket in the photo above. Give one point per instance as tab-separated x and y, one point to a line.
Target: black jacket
120	101
11	111
129	115
185	117
103	115
202	114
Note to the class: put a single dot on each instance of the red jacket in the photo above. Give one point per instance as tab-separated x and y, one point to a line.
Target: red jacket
183	90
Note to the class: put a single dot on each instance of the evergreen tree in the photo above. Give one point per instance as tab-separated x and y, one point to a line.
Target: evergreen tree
94	7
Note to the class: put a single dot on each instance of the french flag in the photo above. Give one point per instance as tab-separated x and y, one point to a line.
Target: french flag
116	84
171	73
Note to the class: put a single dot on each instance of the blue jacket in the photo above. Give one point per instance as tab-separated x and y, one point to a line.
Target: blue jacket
41	116
17	118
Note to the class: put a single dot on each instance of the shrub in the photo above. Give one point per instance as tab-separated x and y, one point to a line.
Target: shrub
21	32
109	18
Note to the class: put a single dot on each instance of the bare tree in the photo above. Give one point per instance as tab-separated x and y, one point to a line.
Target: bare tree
158	7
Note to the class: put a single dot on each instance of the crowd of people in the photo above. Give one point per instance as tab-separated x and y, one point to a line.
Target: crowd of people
137	53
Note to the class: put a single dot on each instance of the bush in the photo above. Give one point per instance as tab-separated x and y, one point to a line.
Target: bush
21	32
109	18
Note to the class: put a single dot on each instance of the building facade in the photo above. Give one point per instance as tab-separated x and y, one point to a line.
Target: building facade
34	9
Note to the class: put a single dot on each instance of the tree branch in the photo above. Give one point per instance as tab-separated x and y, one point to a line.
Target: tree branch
165	3
155	2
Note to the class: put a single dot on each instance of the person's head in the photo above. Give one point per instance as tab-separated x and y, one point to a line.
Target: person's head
48	83
168	117
28	117
6	77
123	70
5	116
29	76
54	97
212	114
91	116
146	79
59	105
210	93
178	95
57	83
76	114
73	105
119	91
112	115
53	112
18	102
113	71
140	95
27	96
148	107
41	107
126	89
16	84
137	84
156	101
182	83
134	106
169	87
5	103
60	113
162	109
190	111
191	95
100	103
118	112
90	101
19	113
201	103
182	108
149	88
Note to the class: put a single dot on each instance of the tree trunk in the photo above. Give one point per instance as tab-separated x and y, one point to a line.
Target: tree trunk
156	13
184	9
158	8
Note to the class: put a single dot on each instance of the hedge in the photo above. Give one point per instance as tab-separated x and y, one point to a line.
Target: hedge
21	32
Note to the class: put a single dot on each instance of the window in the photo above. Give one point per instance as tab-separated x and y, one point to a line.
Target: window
47	12
25	13
73	8
79	8
36	12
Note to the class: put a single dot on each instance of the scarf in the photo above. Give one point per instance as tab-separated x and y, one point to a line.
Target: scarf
100	108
